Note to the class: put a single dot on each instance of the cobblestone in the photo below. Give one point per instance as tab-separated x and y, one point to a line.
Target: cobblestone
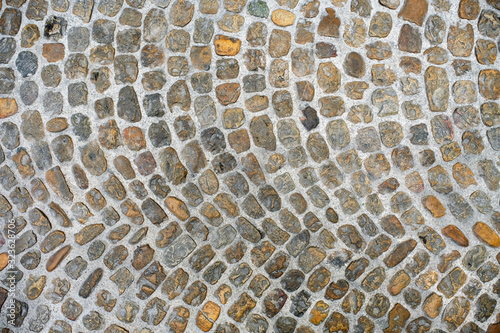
281	165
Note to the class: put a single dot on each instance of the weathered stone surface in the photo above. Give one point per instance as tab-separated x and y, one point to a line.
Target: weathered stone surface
488	24
468	9
489	83
386	100
7	49
378	306
437	88
452	282
336	322
330	24
455	312
400	252
355	33
241	308
414	11
177	251
380	25
354	65
460	40
410	39
486	234
436	55
238	164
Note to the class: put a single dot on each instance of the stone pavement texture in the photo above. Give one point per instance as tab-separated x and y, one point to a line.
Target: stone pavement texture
250	166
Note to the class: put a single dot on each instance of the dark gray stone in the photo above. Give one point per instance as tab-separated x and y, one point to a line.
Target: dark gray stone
26	63
7	49
29	92
77	94
128	105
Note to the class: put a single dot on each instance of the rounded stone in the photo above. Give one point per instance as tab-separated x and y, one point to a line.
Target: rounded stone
29	35
489	83
380	25
354	65
26	63
93	321
489	24
486	52
78	39
29	92
7	49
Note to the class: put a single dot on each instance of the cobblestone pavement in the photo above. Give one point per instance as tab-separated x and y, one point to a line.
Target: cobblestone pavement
249	166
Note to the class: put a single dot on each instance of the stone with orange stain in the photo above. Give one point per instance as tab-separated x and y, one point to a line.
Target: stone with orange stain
226	203
414	11
468	9
53	52
242	307
211	213
447	259
283	17
398	316
224	292
460	41
60	214
134	138
131	210
452	282
400	252
35	286
228	93
175	283
432	305
427	279
4	260
24	164
414	182
8	107
434	206
319	313
456	235
450	151
463	175
330	24
95	199
30	35
88	233
57	182
489	83
177	207
207	316
337	322
484	233
178	319
398	282
58	124
227	46
410	65
239	140
57	257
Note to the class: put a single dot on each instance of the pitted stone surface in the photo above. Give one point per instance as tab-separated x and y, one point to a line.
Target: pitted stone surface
249	166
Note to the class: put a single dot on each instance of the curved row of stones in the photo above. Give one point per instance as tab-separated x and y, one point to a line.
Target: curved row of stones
250	166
